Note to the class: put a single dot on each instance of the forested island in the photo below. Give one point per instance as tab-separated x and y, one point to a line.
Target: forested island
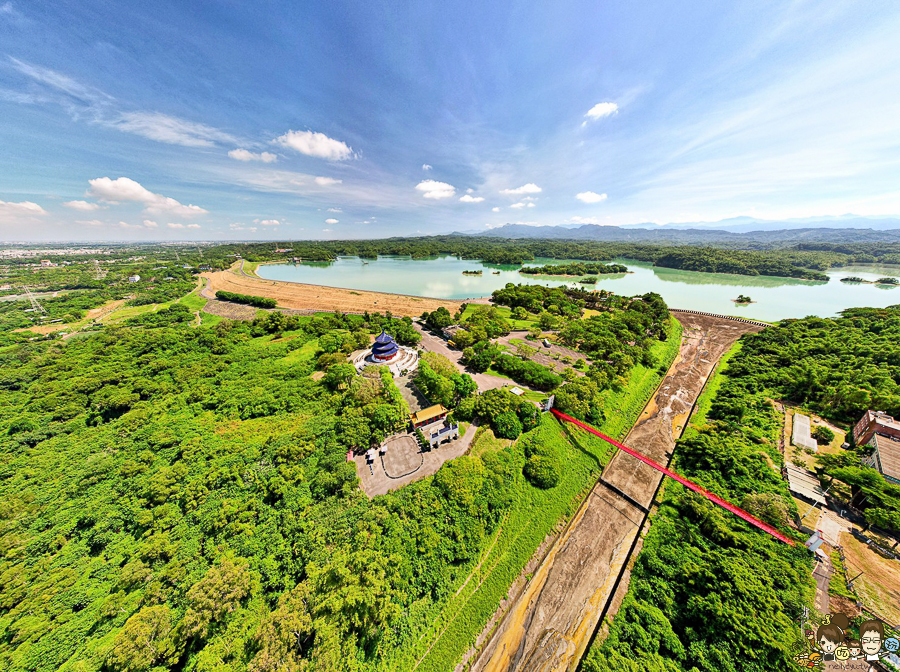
585	268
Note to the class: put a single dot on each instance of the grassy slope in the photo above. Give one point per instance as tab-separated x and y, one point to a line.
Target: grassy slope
704	403
451	627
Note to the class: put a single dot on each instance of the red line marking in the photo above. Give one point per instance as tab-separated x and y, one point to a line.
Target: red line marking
715	499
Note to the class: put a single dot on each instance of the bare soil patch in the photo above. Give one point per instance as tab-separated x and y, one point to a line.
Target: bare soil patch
316	297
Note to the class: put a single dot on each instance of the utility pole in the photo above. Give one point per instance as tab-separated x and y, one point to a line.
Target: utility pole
814	504
35	305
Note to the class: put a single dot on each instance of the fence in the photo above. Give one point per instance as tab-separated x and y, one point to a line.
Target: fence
723	317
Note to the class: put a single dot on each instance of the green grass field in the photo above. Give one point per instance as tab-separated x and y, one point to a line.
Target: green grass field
698	419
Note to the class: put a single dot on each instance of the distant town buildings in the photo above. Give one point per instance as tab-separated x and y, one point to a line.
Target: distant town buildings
134	278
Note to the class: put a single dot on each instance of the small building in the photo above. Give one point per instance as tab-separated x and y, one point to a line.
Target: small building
800	434
804	484
886	457
384	349
134	278
46	263
428	415
518	391
872	423
450	332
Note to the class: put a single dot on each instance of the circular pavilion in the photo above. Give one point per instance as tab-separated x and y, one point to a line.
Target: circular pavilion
384	349
386	352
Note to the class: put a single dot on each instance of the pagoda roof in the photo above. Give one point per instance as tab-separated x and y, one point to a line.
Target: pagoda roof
384	337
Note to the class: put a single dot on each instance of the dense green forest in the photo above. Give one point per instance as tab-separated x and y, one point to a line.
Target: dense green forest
709	593
177	496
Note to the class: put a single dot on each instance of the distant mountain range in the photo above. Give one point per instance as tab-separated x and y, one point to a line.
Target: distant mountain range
738	230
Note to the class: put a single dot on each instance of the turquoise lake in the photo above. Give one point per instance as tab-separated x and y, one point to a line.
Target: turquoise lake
776	298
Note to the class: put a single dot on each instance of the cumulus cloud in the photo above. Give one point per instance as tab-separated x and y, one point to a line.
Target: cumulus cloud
90	222
177	225
125	189
522	204
315	144
601	110
245	155
9	211
590	197
530	188
267	222
436	190
238	226
171	130
331	221
84	206
150	224
334	210
586	220
327	181
495	209
471	199
426	166
326	230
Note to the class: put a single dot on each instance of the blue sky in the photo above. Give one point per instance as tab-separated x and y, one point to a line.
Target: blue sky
277	120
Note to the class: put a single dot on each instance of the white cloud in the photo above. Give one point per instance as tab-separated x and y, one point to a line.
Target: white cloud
9	211
470	190
175	225
495	209
334	210
326	230
530	188
126	225
125	189
585	220
84	206
590	197
267	222
193	226
601	110
426	166
522	204
150	224
331	221
90	222
244	155
171	130
238	226
471	199
316	144
436	190
327	181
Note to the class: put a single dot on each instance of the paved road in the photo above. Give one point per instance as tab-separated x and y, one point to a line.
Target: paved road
822	574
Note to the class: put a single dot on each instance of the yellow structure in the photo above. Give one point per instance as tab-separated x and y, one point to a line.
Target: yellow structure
428	415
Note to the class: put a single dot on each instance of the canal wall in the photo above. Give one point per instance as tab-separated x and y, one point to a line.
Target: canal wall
721	317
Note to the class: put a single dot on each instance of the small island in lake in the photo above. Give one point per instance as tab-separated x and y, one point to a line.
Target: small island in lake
588	280
472	272
743	300
880	281
577	268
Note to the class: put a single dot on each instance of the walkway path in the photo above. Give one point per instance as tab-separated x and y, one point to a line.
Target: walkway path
550	623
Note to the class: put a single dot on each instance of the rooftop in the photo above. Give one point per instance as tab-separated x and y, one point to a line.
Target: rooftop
804	483
889	455
427	413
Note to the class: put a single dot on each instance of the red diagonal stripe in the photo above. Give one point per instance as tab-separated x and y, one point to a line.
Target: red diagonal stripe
715	499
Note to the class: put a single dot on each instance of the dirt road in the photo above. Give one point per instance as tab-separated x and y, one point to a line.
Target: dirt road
316	297
549	625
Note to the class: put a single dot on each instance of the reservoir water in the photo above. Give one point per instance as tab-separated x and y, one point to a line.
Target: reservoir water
442	277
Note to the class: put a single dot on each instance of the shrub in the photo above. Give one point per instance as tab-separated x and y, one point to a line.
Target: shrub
507	425
542	471
822	434
258	301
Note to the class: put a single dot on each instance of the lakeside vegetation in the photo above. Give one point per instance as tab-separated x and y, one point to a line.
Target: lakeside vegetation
708	592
